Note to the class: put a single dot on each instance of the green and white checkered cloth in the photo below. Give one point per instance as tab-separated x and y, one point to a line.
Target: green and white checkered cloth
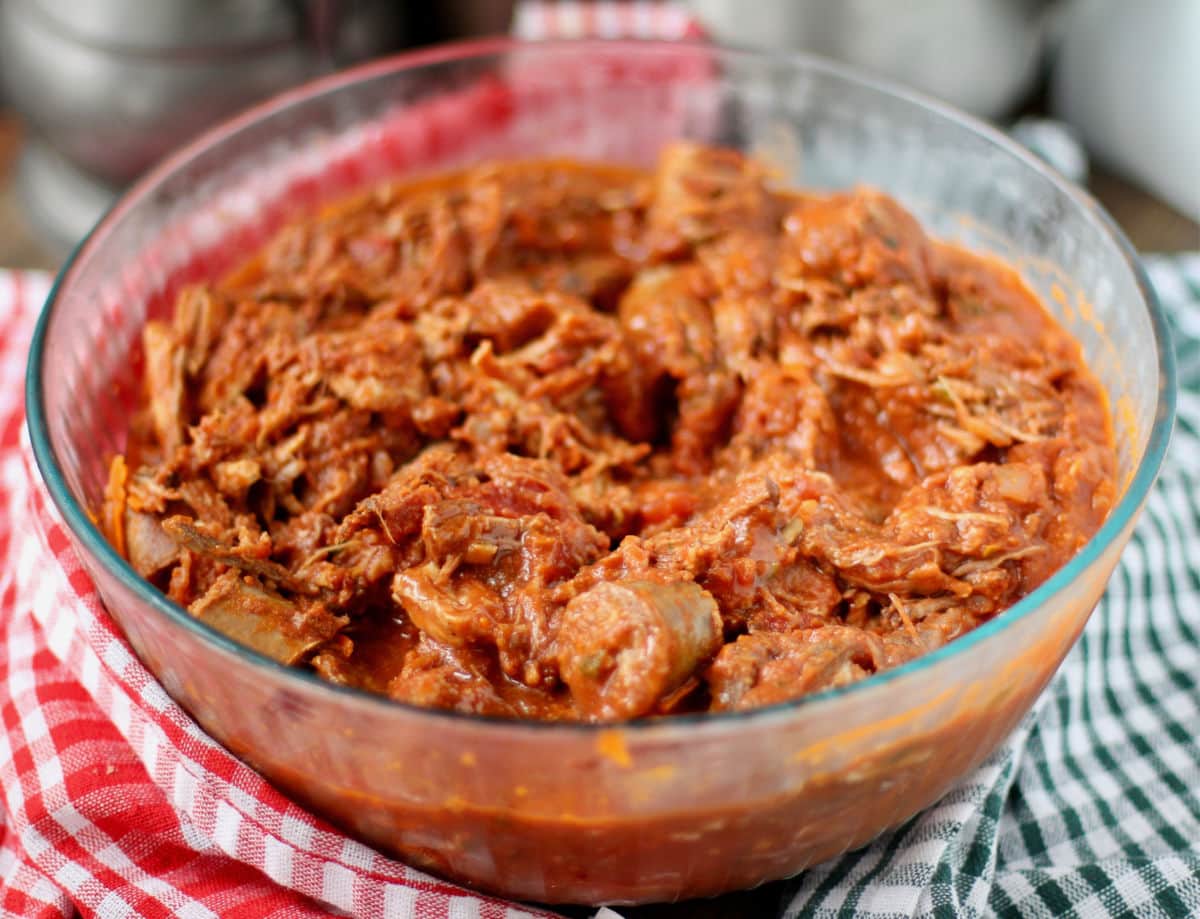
1092	807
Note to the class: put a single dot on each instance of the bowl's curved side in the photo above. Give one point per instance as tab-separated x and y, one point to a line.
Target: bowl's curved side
653	810
618	816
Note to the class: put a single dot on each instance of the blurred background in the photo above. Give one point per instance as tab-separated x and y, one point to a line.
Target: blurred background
93	92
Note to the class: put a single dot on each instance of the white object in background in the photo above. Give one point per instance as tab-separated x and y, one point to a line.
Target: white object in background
1055	142
1128	78
980	55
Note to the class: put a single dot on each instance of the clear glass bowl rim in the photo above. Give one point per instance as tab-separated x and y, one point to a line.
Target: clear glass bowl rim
88	535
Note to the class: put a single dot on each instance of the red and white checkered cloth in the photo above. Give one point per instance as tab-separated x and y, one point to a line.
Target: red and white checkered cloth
113	802
544	19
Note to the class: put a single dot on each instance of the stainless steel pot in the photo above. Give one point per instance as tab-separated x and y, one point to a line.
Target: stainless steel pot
981	55
112	85
109	86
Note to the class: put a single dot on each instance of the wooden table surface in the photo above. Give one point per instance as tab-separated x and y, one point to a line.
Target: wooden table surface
1152	226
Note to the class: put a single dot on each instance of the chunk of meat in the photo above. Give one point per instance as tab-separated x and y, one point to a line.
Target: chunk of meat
200	314
250	554
467	680
397	510
979	511
237	364
244	610
234	478
856	240
729	549
506	313
599	278
500	418
623	646
456	611
403	248
449	678
463	531
741	266
517	214
744	523
148	546
702	192
769	667
795	594
665	314
863	554
165	360
666	318
1078	476
381	372
784	409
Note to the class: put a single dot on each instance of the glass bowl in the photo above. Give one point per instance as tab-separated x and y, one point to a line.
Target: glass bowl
653	810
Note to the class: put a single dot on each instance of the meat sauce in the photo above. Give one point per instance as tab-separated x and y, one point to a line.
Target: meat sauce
565	441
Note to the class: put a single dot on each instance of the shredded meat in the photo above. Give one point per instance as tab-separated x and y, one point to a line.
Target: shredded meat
564	441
